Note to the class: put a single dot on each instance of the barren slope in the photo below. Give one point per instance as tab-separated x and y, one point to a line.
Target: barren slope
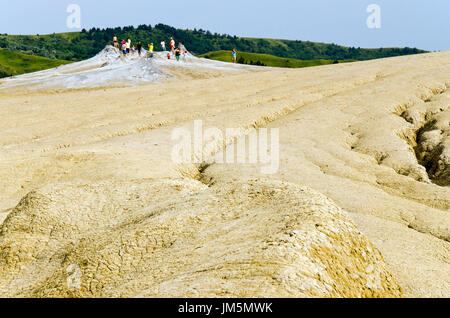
97	189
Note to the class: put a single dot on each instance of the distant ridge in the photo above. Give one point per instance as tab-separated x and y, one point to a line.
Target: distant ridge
76	46
268	60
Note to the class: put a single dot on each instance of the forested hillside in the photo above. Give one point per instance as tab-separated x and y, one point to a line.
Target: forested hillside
81	45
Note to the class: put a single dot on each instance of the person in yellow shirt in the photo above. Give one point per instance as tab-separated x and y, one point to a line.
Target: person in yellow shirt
150	50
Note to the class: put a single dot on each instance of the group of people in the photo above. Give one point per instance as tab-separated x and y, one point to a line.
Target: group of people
127	48
178	53
175	52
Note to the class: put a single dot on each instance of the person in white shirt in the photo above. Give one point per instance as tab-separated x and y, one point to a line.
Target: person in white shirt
183	50
128	46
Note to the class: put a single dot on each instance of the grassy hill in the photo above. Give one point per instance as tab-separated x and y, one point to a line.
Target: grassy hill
85	44
13	63
268	60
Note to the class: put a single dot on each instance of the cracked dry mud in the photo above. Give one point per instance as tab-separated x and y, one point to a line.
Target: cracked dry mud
358	208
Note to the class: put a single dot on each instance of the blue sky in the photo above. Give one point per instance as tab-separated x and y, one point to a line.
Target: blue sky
414	23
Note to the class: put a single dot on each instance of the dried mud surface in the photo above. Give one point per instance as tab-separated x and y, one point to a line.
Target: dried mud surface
358	208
